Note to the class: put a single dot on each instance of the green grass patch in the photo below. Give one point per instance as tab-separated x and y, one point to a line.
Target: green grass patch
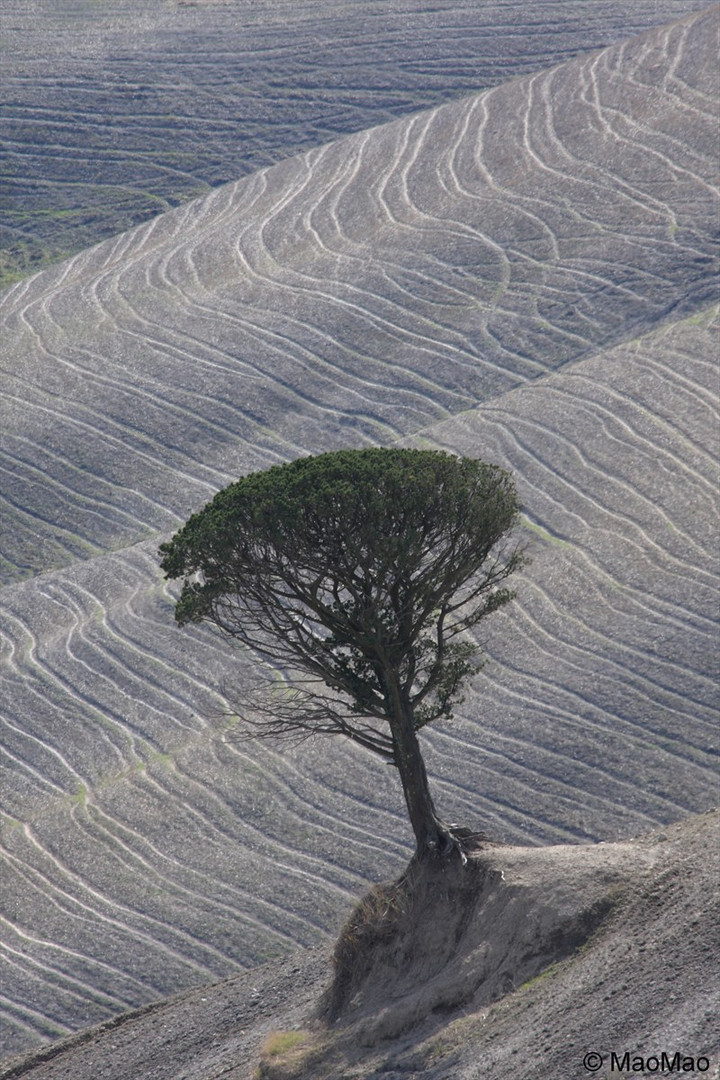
536	980
543	534
456	1035
80	798
286	1055
279	1043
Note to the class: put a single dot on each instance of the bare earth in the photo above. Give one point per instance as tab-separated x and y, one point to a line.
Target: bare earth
112	113
526	274
518	965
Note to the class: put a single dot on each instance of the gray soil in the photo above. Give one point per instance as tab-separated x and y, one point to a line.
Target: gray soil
544	304
112	113
517	965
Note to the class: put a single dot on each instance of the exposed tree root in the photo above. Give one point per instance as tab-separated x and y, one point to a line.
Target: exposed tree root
448	840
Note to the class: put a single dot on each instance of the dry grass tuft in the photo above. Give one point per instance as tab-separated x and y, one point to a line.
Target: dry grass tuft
374	922
282	1053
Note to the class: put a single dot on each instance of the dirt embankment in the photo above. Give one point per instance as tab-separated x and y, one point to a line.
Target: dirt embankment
520	964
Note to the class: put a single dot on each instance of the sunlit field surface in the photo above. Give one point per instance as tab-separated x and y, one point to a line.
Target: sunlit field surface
524	274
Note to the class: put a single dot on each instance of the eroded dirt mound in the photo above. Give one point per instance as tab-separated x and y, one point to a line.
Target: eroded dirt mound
518	993
447	935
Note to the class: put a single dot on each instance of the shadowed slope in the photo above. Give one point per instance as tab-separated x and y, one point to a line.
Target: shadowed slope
357	293
112	113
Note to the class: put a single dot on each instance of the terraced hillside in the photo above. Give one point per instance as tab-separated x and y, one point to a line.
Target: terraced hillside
523	275
112	113
360	291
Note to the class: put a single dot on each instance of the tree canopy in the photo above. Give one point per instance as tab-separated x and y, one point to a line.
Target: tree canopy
362	569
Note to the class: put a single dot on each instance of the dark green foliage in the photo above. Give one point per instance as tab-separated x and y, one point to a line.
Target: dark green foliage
361	568
374	552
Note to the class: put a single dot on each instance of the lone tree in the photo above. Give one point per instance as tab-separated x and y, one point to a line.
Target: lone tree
361	569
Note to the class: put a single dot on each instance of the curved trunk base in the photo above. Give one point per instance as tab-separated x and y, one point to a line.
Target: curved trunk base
442	841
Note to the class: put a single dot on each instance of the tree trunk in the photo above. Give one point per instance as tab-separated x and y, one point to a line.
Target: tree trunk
431	834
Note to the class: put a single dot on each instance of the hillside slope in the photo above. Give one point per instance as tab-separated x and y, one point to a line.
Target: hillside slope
112	113
538	957
604	678
357	293
145	850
